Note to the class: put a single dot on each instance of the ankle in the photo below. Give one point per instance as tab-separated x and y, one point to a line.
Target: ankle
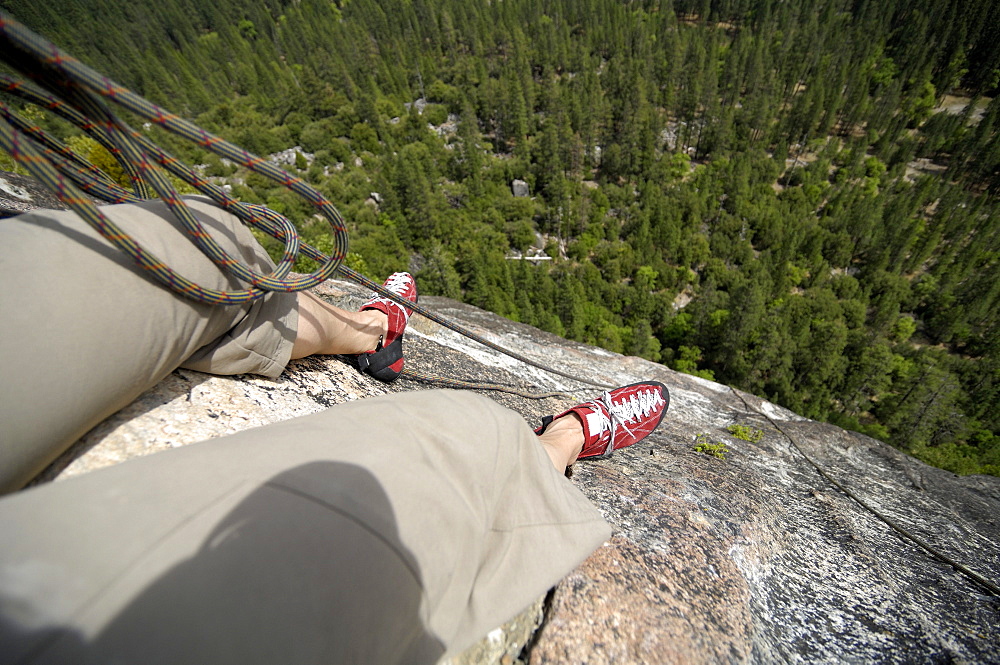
563	440
377	326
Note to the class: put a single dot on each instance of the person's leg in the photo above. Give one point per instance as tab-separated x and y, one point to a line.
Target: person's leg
396	529
595	429
327	329
563	440
375	332
85	332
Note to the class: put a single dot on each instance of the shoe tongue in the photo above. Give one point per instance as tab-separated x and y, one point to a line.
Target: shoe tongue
594	423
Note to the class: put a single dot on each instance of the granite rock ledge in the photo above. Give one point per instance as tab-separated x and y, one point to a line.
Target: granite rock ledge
751	559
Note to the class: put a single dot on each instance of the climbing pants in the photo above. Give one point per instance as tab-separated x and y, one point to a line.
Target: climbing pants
396	529
85	332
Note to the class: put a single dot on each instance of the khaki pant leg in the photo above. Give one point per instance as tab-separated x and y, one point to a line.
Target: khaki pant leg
396	529
85	332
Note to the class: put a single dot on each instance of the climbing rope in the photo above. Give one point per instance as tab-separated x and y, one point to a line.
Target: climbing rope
463	384
78	94
61	77
891	523
69	89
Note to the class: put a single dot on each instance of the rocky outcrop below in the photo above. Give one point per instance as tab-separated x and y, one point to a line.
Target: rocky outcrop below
20	194
755	558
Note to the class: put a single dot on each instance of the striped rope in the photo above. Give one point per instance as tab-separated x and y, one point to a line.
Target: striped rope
903	532
52	145
85	90
463	384
465	332
66	87
47	160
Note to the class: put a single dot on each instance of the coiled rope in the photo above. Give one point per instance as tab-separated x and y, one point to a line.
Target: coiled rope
76	93
66	87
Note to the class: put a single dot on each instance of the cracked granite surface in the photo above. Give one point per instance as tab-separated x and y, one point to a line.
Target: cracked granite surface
751	559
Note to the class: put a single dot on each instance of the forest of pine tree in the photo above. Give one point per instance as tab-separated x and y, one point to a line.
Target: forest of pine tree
798	198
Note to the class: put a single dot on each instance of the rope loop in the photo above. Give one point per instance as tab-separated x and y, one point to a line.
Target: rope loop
77	93
62	85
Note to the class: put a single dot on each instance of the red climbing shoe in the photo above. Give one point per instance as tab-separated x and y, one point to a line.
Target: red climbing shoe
386	362
618	418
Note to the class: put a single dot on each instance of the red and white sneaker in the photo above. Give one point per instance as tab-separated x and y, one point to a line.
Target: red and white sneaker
618	418
386	362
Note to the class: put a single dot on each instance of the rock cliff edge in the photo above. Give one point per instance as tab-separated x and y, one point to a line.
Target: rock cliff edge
752	559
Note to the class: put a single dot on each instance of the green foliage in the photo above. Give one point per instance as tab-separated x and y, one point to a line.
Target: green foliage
520	234
435	114
919	105
739	204
448	95
704	444
746	433
686	360
96	154
960	458
364	137
881	68
903	329
247	29
7	163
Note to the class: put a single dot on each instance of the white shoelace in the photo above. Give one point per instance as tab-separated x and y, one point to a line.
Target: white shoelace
614	415
398	283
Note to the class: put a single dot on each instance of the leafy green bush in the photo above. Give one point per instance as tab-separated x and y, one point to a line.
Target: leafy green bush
435	114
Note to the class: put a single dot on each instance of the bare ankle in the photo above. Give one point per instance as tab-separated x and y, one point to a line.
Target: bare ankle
563	440
377	325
